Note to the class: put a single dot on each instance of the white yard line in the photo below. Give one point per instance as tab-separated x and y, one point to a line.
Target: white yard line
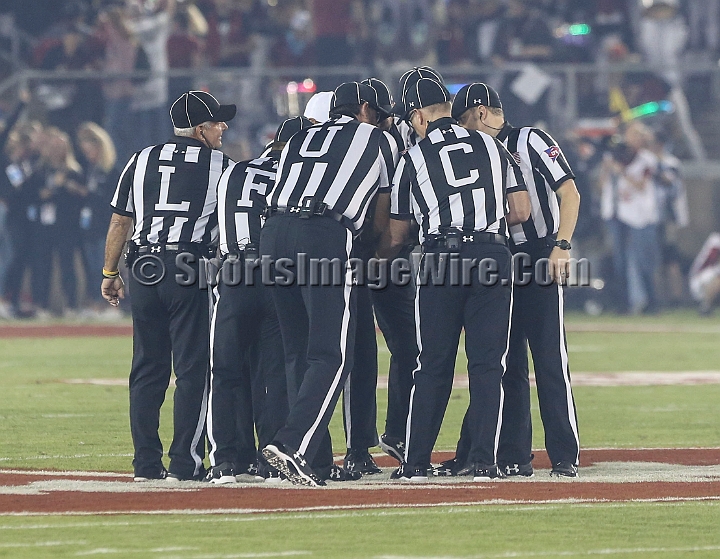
611	378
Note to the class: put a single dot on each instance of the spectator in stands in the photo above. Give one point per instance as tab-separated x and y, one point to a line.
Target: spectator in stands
332	24
99	181
60	198
704	23
11	179
151	23
184	50
294	44
630	210
232	25
70	46
113	30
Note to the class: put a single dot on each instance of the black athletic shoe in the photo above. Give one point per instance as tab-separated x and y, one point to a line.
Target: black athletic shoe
452	468
336	473
360	461
564	469
160	474
484	472
174	478
524	470
291	463
393	446
405	473
221	474
267	473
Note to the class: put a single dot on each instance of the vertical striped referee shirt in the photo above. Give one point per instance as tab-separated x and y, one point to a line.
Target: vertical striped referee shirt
241	201
170	190
544	169
342	163
455	179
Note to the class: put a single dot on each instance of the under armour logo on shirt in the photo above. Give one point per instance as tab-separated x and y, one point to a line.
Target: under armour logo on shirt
155	249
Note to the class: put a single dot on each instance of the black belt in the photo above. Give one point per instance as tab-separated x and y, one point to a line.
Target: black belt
539	244
454	240
194	248
311	208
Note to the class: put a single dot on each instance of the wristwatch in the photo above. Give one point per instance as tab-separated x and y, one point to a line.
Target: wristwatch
561	243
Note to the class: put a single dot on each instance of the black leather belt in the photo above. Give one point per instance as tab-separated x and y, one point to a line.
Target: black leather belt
455	240
310	208
194	248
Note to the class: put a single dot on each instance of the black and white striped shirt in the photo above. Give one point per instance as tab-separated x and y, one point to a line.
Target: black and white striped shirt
170	190
241	201
455	179
544	169
341	163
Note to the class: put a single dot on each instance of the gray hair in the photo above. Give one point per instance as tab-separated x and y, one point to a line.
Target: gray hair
189	132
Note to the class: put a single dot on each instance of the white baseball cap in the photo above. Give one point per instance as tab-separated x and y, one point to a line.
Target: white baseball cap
318	107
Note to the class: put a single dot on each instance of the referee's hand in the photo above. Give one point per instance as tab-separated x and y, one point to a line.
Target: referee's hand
559	264
113	289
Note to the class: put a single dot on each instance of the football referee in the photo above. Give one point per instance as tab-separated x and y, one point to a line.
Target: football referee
327	177
463	188
538	313
169	192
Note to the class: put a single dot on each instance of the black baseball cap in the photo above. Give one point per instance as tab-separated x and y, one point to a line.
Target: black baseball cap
384	97
195	107
410	78
354	93
474	95
290	127
424	93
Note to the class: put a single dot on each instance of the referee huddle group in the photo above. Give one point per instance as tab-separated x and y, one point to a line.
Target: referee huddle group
446	178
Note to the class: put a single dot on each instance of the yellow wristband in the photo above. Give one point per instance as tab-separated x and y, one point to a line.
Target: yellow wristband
110	275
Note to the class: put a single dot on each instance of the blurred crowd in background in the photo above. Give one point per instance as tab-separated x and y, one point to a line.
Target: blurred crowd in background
64	140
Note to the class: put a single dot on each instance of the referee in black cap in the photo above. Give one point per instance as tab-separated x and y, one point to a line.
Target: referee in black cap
537	319
247	364
327	178
463	188
169	192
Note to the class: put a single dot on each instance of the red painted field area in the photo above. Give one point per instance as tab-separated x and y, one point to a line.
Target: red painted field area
33	492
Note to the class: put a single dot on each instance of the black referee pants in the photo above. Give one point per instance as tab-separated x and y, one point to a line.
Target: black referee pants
537	320
443	311
395	313
170	332
248	387
317	325
359	393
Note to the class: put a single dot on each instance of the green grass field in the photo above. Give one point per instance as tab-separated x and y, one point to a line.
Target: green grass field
46	423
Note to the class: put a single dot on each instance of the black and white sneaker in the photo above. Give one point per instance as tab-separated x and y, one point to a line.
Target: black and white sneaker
564	469
221	474
336	473
291	463
174	478
359	461
406	473
484	472
523	470
452	468
393	446
160	474
267	473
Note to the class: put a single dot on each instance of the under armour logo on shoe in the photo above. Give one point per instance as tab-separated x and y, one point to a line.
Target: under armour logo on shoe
514	469
300	459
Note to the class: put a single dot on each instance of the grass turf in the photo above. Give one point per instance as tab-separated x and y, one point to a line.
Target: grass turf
45	423
607	529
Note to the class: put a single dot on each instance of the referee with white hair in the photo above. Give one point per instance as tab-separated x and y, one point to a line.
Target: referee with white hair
169	192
